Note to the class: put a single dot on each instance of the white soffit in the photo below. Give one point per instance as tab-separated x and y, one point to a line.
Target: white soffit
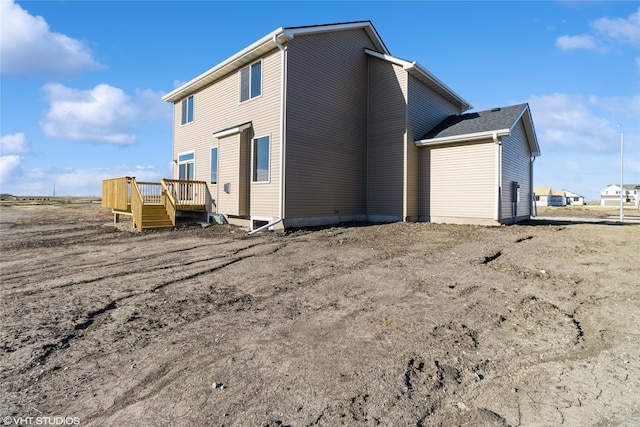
232	130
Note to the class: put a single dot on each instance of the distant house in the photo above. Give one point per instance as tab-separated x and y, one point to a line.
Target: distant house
570	198
321	124
543	195
610	195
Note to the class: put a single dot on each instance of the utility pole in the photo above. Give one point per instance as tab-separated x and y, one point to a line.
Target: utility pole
621	176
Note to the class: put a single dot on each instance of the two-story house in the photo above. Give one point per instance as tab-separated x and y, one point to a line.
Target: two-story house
610	195
321	124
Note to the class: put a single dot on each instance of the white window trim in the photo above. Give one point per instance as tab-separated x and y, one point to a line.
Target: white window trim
178	162
192	112
253	160
267	219
240	101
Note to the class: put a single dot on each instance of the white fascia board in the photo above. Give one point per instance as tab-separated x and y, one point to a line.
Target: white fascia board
414	67
232	131
420	69
535	149
525	115
463	138
181	91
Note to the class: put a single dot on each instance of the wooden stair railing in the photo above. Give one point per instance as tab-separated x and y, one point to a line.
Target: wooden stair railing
148	207
137	202
168	201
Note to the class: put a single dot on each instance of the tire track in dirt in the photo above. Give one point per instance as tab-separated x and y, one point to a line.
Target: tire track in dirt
146	265
47	350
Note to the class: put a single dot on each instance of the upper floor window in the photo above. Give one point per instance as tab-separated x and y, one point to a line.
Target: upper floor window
187	110
251	81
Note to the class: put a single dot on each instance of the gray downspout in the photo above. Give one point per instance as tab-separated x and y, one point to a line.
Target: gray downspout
283	115
533	207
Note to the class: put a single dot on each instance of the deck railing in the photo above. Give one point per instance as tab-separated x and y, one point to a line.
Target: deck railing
116	193
187	195
151	192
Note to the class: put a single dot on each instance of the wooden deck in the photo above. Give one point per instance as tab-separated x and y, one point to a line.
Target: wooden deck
151	204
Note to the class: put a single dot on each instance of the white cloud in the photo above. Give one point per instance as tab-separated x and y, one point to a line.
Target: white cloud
619	105
15	144
564	120
102	114
28	46
609	31
583	41
9	169
625	30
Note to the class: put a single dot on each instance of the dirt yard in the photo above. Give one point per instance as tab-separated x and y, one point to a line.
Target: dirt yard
391	325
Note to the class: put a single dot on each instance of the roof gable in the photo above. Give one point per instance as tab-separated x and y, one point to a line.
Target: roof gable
542	191
479	125
568	193
424	76
292	32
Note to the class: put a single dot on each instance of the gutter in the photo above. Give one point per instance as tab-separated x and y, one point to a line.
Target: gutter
186	88
463	138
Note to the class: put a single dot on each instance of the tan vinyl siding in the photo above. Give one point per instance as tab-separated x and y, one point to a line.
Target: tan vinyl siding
386	137
516	162
233	169
461	181
425	110
218	107
326	124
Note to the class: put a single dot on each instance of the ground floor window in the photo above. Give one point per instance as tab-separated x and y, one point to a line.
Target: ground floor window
260	154
214	165
186	171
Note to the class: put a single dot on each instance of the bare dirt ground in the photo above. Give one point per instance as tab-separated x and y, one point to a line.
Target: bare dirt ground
394	325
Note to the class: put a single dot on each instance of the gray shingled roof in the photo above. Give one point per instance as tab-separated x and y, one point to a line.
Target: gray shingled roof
481	121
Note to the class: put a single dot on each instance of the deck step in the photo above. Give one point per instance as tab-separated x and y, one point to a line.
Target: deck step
155	216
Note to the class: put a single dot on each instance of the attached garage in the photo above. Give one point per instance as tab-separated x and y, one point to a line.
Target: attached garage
477	168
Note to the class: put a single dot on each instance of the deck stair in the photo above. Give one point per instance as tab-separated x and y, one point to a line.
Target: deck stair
155	216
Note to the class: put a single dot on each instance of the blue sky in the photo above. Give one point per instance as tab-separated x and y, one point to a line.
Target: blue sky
82	81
